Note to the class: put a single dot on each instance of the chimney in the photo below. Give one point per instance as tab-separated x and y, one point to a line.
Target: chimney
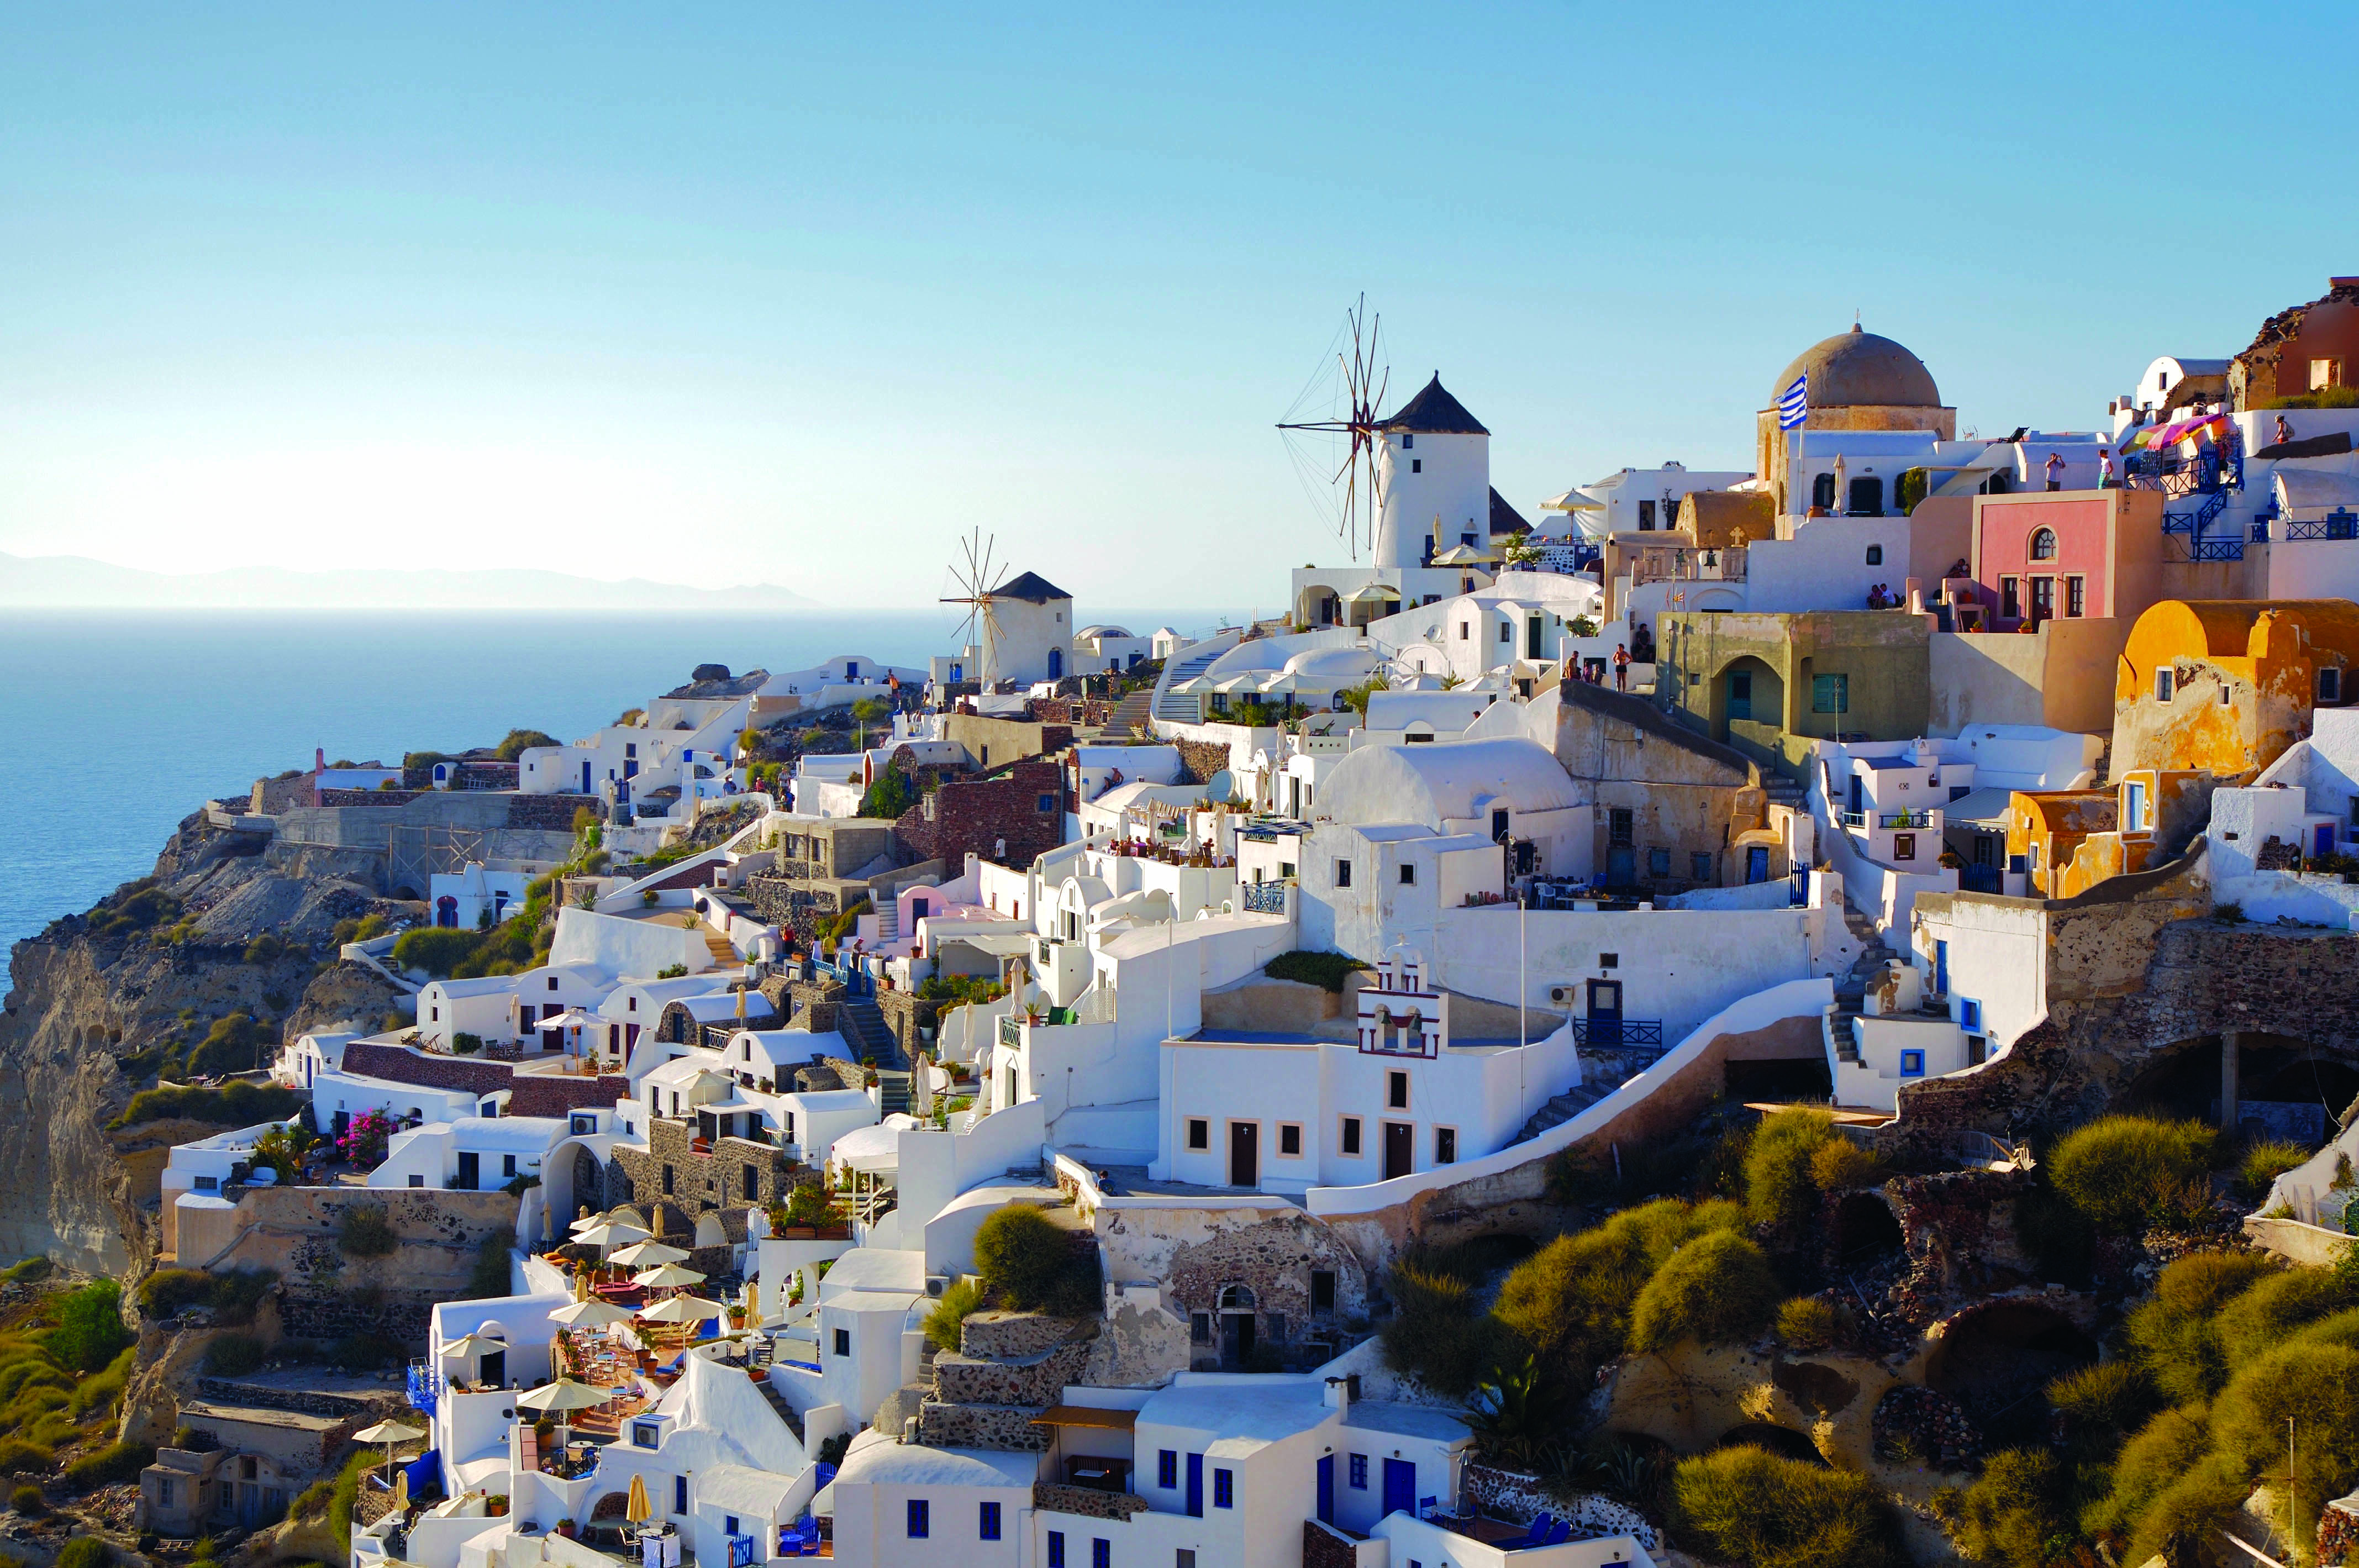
319	759
1341	1391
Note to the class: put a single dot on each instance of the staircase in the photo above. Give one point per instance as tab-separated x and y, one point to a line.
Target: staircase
718	945
862	1028
1563	1109
1173	707
1850	989
1132	714
1784	791
1842	1034
779	1402
893	1091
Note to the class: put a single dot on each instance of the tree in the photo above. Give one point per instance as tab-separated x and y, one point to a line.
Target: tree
1030	1263
90	1331
1717	1288
1521	552
1748	1506
516	742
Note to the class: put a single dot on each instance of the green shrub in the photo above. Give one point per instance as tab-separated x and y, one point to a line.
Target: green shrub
2264	1162
1569	1302
514	744
465	1044
18	1454
85	1551
234	1356
1911	488
491	1276
231	1105
2324	398
25	1271
2315	1386
90	1331
99	1391
364	1231
2107	1402
115	1462
2117	1168
943	1323
2189	1511
2161	1452
133	907
366	1353
343	1495
2173	1335
1717	1290
1807	1323
233	1044
1840	1165
2274	1307
438	950
1779	1189
889	796
163	1293
1325	970
1438	1332
1030	1263
1750	1507
27	1501
2014	1509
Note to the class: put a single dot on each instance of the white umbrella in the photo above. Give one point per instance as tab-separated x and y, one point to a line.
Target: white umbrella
648	1254
565	1394
1463	555
612	1233
388	1432
681	1310
473	1344
668	1275
592	1313
1375	591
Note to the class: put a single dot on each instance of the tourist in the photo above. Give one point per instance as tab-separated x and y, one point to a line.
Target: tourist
2105	479
2285	431
2055	470
1621	668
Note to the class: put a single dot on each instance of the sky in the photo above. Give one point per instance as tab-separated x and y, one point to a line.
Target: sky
725	296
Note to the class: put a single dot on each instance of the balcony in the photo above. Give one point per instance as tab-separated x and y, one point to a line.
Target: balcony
1619	1034
1855	819
1922	818
1265	898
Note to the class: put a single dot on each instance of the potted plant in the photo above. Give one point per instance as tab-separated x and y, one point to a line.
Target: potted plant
496	1505
565	1528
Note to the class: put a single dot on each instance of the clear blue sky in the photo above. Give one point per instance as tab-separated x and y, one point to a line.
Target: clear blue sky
756	295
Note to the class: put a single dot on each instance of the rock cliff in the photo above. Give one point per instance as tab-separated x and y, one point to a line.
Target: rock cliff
101	1002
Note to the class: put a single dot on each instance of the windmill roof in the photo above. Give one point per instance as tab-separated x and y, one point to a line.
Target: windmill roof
1436	411
1032	588
1506	519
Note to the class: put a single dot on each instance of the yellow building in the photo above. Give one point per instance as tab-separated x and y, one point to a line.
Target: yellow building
2045	831
2224	686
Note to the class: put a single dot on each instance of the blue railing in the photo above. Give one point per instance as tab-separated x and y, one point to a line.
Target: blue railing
2339	524
1923	819
425	1384
1619	1034
2194	519
1265	898
2231	548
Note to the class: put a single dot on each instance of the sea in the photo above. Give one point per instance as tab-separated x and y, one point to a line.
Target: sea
114	724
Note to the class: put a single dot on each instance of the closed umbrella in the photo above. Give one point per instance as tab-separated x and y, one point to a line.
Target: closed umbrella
667	1276
648	1254
635	1507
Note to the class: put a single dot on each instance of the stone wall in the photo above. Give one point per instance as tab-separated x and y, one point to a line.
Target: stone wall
1200	759
1015	1335
995	743
361	798
904	1016
551	813
1197	1253
308	1401
1054	1496
403	1065
701	1181
545	1095
1324	1547
1006	1429
998	818
1037	1381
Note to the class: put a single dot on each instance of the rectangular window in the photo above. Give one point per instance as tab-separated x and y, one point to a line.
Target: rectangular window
1056	1549
2076	597
753	1183
1047	804
1200	1328
1223	1491
1461	631
680	1494
1417	465
1646	517
418	1181
507	1165
1699	867
1351	1138
1831	693
1397	1091
1359	1472
1199	1133
843	1341
1658	863
2043	598
987	1525
1289	1140
1166	1469
2330	685
1342	874
920	1523
163	1491
1184	1557
1445	1146
2163	684
2010	598
1618	827
729	1524
1970	1015
1322	1289
2325	373
1507	633
1912	1065
671	1182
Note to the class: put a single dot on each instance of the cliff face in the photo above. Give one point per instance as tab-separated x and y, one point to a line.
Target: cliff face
100	1001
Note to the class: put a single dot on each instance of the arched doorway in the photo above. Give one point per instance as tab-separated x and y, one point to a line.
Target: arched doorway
1865	1231
1994	1360
1236	1305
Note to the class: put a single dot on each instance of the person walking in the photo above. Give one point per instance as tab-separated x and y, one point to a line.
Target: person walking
1621	668
2055	470
2285	430
2105	479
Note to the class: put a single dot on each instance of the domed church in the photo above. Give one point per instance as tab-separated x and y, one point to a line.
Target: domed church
1858	381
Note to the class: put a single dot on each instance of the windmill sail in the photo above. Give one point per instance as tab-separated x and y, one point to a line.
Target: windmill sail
1356	390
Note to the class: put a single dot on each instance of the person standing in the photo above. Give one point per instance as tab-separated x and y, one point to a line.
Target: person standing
2105	479
2285	430
2055	470
1621	668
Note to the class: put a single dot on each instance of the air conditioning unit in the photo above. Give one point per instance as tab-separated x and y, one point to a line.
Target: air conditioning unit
1563	996
936	1284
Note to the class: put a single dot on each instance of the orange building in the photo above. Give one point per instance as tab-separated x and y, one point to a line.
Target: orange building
2224	686
2045	831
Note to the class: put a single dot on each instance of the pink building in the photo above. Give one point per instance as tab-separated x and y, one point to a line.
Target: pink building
2062	555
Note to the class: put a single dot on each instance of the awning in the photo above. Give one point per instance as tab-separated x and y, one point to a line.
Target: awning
1087	1415
1979	809
2152	436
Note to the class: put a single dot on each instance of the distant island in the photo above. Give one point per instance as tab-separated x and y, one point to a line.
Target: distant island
73	582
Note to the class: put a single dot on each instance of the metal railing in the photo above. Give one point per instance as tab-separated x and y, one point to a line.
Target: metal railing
2339	524
1922	818
1265	898
1011	1031
1687	563
1855	819
1618	1034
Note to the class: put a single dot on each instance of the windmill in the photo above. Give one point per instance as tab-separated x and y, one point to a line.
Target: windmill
1354	391
975	578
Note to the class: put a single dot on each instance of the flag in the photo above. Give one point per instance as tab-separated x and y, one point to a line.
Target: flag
1794	403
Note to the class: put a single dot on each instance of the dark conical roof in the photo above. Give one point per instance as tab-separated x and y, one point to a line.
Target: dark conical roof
1434	411
1032	588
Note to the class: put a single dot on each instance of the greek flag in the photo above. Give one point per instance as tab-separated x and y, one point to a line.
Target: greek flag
1794	403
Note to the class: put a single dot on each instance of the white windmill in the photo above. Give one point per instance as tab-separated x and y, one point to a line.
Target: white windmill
975	578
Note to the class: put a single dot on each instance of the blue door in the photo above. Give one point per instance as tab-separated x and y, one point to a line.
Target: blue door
1195	1485
1056	664
585	778
1327	1489
1757	863
1400	1486
1941	969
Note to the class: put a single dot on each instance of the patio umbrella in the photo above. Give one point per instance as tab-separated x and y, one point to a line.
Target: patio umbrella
681	1310
595	1313
388	1432
635	1507
648	1254
559	1397
611	1232
667	1276
401	1493
473	1344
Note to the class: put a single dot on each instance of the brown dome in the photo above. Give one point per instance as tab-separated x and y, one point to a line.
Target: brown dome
1855	368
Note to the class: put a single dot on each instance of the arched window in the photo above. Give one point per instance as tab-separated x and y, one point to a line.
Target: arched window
1237	1299
2043	544
1823	492
1867	497
1876	555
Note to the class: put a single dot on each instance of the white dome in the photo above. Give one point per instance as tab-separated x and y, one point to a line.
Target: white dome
1348	661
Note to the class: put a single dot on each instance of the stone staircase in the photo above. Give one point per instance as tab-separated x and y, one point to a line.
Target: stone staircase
862	1028
777	1402
718	945
1174	707
1131	716
1852	988
1009	1367
1564	1107
893	1091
